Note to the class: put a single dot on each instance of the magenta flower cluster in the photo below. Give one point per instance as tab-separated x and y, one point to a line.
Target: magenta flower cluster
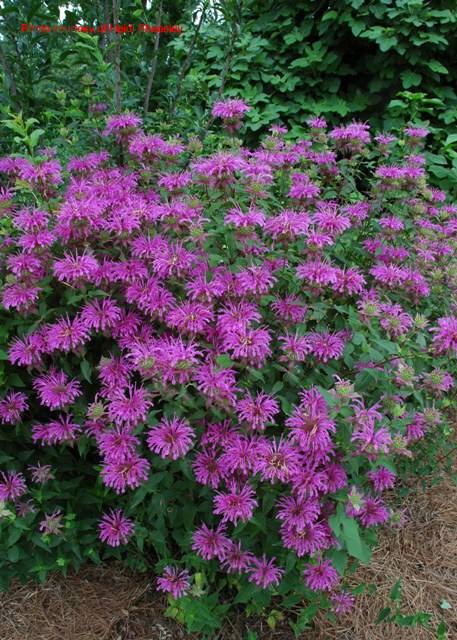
213	307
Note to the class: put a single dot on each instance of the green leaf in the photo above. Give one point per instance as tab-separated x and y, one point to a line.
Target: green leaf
451	139
13	537
85	370
246	592
339	560
395	594
35	136
410	79
13	554
224	361
366	377
15	381
383	614
441	631
435	65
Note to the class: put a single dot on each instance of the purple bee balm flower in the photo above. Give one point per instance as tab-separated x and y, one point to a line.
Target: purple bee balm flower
190	317
241	452
235	317
336	477
255	280
287	225
219	434
342	602
55	391
308	539
233	559
100	315
240	220
317	273
52	524
316	123
374	512
20	296
209	469
371	442
42	473
289	309
210	543
348	281
171	438
277	129
13	486
173	260
249	344
326	346
175	182
298	512
446	338
60	430
295	348
12	406
264	572
278	460
75	268
114	372
236	504
23	508
120	475
257	412
382	478
118	445
26	264
65	334
218	386
231	112
115	528
416	133
234	108
218	170
175	582
307	481
122	124
351	138
310	427
320	576
129	406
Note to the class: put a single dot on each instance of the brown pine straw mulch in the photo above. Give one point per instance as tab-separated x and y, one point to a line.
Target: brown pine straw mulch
113	602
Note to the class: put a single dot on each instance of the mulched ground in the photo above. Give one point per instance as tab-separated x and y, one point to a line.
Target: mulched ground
115	603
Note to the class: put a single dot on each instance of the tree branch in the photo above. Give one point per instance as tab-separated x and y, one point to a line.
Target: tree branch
10	76
117	43
108	36
183	70
154	61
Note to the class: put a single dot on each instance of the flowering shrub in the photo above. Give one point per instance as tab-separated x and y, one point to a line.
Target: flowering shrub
225	359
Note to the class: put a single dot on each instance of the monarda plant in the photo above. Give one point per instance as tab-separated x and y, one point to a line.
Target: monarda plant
220	362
